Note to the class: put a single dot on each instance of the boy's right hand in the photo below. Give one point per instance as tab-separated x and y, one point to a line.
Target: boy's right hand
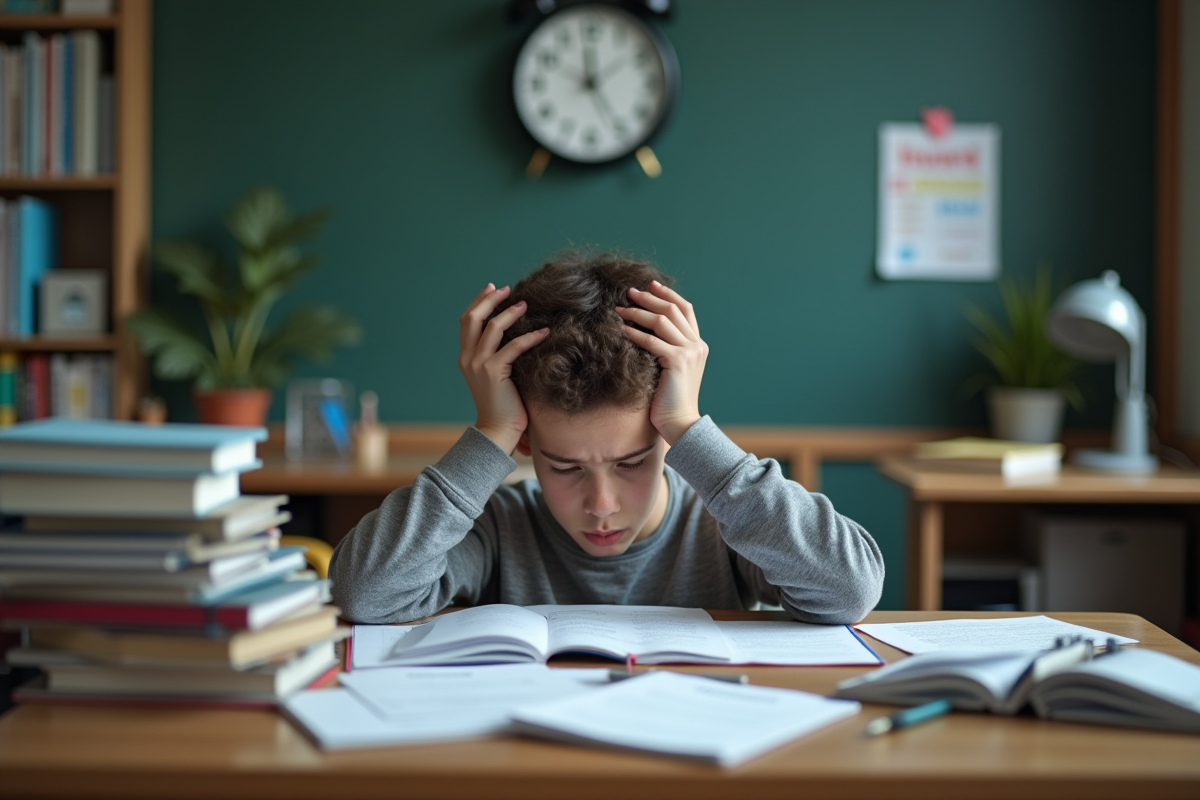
500	414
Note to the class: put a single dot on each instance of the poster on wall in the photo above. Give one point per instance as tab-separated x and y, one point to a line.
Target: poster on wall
939	202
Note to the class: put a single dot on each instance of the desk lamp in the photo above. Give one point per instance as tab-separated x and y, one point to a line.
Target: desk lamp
1097	320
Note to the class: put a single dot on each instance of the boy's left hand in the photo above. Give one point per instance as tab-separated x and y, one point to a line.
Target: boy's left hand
681	353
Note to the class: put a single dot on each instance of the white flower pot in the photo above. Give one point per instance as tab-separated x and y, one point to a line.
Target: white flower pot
1026	415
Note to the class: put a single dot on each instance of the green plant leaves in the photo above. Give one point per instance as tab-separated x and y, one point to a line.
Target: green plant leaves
242	350
178	352
1019	350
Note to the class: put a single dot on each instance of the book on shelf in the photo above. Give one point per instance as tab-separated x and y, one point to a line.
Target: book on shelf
974	454
241	517
501	633
249	610
188	648
180	548
119	495
20	569
168	588
1123	686
266	685
111	446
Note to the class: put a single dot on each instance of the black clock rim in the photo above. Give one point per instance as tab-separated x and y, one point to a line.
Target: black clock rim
671	79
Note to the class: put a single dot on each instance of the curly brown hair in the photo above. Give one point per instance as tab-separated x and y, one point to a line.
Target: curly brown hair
585	363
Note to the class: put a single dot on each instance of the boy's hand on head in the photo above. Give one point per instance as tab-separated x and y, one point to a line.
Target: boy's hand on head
499	412
681	353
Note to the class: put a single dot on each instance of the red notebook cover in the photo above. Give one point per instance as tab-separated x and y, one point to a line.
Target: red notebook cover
91	613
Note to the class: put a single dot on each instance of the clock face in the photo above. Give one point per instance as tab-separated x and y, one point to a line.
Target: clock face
592	83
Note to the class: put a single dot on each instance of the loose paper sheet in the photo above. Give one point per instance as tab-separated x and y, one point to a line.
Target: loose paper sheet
795	644
467	693
684	715
1010	633
939	202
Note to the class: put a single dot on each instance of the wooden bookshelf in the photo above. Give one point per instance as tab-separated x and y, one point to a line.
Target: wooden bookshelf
104	221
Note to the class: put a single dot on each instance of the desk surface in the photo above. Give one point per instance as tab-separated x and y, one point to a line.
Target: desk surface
1072	485
139	753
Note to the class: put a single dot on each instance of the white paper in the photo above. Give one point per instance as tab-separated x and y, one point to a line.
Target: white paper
939	203
655	634
1009	633
338	721
483	693
372	644
684	715
794	644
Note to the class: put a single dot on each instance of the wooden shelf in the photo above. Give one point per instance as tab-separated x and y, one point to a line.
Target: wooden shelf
22	183
51	344
56	22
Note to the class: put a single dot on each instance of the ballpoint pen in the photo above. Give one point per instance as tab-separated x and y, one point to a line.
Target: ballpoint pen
908	717
615	675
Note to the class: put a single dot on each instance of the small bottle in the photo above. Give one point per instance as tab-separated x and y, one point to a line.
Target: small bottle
370	438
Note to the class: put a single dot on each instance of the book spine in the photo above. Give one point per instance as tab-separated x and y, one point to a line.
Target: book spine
14	99
108	613
8	388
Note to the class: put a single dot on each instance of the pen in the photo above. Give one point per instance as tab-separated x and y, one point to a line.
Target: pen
908	717
615	675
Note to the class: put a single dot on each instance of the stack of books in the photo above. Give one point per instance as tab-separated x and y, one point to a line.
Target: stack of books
138	573
1009	459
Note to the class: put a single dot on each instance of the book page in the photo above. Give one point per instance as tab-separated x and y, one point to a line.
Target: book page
372	644
466	692
794	644
654	634
472	629
1008	633
338	720
685	715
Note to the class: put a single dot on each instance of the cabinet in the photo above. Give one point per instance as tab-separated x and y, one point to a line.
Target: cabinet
103	221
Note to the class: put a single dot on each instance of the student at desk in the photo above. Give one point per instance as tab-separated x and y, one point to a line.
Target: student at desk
592	366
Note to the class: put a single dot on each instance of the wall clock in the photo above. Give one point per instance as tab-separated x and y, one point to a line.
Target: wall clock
594	82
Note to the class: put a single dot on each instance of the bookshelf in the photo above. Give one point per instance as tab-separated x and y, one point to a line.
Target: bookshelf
103	220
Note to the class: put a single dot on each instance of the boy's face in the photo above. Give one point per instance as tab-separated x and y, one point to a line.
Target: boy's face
601	474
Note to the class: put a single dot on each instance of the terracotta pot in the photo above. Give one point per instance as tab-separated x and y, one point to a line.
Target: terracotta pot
233	406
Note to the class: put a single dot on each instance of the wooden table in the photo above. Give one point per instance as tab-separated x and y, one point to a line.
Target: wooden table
78	752
930	488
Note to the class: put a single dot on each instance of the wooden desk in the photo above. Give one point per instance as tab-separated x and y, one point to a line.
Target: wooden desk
78	752
930	489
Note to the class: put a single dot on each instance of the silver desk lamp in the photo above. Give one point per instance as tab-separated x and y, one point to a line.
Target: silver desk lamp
1097	320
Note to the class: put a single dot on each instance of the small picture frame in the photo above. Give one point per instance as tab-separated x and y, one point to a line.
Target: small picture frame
73	302
318	418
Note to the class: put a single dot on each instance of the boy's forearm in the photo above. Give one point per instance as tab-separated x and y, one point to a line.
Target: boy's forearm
826	567
393	566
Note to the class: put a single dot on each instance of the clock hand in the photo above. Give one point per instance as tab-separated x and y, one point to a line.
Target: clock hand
603	107
589	68
612	67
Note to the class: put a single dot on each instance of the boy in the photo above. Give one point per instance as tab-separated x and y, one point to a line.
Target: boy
592	367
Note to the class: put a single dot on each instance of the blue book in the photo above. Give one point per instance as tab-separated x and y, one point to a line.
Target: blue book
37	255
129	448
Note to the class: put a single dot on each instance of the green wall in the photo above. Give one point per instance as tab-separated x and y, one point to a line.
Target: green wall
397	115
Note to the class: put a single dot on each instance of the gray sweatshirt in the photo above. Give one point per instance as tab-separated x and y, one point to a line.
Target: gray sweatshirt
735	533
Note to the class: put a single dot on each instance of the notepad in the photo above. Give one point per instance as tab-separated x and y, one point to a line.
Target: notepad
685	716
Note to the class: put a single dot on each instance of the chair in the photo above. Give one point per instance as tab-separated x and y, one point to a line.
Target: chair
317	552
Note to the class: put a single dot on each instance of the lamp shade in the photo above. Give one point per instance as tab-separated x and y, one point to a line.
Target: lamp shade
1097	320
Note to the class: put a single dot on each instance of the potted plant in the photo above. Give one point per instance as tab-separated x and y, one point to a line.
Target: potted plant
1031	379
236	359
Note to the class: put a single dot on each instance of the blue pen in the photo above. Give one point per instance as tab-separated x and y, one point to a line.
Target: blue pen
908	717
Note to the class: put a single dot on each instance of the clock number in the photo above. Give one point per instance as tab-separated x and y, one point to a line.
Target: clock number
538	83
641	56
564	37
591	31
641	111
591	138
619	129
652	83
548	58
546	110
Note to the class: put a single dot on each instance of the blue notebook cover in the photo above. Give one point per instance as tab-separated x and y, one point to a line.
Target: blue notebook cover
115	433
38	254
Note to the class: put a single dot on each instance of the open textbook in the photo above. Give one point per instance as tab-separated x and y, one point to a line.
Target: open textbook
1127	686
748	642
500	633
1001	634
